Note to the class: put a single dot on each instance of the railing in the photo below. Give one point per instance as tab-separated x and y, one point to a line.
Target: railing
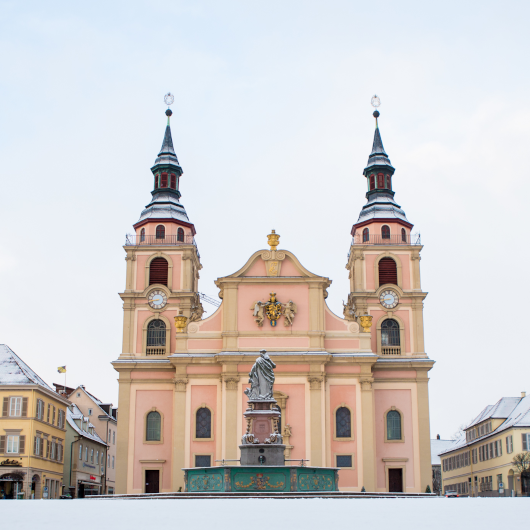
378	239
155	350
134	240
390	350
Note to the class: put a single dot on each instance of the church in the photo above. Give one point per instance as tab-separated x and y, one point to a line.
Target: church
352	389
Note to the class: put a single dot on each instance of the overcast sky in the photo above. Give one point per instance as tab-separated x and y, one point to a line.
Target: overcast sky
272	125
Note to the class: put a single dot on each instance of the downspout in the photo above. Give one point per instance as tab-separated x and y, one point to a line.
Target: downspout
71	460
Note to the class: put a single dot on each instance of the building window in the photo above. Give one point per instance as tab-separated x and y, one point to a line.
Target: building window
79	394
509	444
48	414
154	421
38	446
203	423
389	182
372	182
90	412
385	232
53	416
80	451
97	457
174	181
156	182
86	454
403	235
380	181
112	462
387	271
52	452
91	456
109	436
160	232
203	460
15	406
163	180
40	409
366	235
158	271
526	442
142	235
12	443
344	461
61	419
393	425
390	333
156	338
108	461
113	437
180	235
343	422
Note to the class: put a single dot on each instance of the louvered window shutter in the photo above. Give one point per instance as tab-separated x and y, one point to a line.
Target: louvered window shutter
47	449
35	446
387	271
5	408
22	445
48	416
24	407
158	271
2	444
53	416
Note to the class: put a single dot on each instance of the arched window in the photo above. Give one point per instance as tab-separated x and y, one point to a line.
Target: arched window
403	235
174	181
390	333
343	422
393	425
142	235
385	232
180	235
156	182
366	235
161	232
372	182
380	180
387	271
156	334
203	423
153	426
158	271
163	180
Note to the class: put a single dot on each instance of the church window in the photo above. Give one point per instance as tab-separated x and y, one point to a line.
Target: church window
387	271
343	422
158	269
403	235
153	427
174	181
372	182
380	181
390	333
180	235
156	337
203	423
366	235
163	180
161	232
393	425
385	232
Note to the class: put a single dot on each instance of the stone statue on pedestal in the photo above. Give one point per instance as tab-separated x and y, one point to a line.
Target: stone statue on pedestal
261	378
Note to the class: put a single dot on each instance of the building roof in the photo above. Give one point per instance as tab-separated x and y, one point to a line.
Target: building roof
438	446
14	371
514	411
74	413
97	402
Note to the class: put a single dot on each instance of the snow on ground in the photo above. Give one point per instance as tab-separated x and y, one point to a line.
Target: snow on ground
374	514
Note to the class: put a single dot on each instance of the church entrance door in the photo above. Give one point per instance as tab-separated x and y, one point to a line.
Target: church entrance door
151	481
395	480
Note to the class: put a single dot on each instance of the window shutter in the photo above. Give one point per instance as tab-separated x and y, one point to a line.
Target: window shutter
22	445
525	443
24	407
35	446
387	271
5	408
53	416
2	444
48	416
158	271
47	449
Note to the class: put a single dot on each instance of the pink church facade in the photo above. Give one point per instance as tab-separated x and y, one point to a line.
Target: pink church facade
352	389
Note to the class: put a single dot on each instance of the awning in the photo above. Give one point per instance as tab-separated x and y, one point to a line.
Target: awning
86	483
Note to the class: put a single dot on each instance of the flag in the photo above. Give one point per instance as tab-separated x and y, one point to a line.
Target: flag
61	369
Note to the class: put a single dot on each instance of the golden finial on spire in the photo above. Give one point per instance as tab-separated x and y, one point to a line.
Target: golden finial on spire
273	239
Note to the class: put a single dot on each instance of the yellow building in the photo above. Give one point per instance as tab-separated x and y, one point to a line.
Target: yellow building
480	463
32	432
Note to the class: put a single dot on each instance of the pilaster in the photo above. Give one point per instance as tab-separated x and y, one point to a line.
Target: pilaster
424	430
231	384
122	444
368	430
179	428
315	403
230	333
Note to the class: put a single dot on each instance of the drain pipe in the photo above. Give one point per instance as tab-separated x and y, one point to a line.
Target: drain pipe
71	449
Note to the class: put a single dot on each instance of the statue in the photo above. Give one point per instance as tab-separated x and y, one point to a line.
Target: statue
258	314
289	310
261	378
196	309
349	308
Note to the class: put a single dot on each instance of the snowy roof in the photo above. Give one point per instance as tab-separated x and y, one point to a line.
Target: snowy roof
74	413
97	402
437	446
516	412
14	371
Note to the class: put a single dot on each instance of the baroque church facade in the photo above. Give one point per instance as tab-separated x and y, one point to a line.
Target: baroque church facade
352	389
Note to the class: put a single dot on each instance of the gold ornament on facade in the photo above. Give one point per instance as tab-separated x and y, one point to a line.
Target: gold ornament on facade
273	239
180	323
273	310
366	322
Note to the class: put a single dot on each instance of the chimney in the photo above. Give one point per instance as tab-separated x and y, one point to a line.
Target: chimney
437	436
523	394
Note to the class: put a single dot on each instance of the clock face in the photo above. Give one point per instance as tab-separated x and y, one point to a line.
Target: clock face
157	299
389	299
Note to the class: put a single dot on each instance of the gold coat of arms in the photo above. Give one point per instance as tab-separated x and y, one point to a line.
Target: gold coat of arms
273	310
